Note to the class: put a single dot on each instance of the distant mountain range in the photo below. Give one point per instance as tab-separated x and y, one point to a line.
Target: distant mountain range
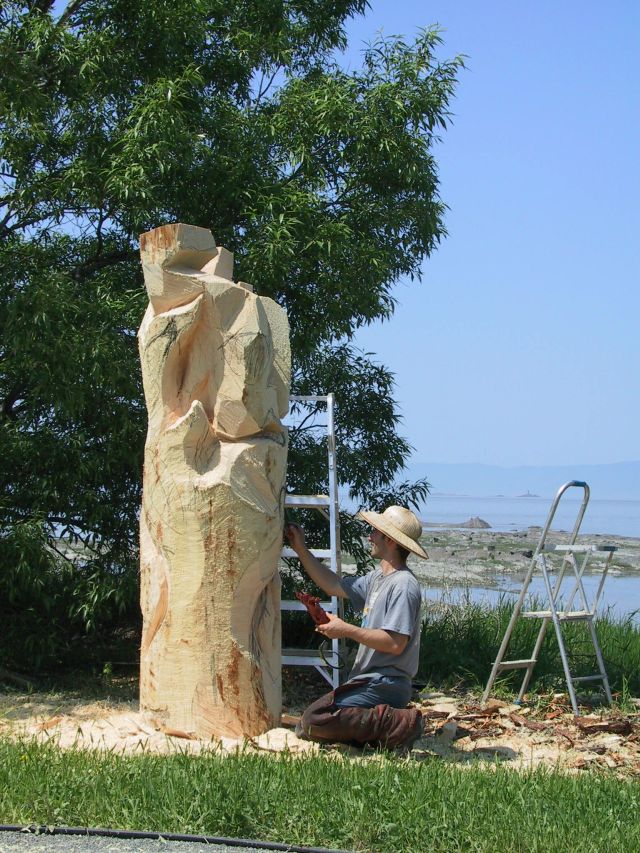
615	481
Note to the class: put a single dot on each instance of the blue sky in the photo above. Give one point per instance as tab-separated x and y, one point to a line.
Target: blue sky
520	346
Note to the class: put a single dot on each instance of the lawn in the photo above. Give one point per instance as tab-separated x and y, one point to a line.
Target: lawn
383	805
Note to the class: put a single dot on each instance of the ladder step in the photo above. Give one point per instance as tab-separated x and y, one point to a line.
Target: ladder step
563	615
298	605
307	500
582	549
307	657
589	678
320	553
516	664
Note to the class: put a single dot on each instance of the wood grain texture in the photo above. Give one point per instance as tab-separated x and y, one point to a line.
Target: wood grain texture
216	367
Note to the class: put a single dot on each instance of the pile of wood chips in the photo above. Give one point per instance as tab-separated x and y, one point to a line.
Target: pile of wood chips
552	736
457	730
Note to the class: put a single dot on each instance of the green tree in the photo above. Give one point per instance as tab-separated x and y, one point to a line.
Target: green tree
119	115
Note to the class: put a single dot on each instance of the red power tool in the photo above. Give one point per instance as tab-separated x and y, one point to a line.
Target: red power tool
312	603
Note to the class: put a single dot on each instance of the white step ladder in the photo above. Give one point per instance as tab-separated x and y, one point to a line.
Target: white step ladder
573	573
326	663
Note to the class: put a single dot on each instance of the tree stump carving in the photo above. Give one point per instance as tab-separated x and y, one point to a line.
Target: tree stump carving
216	369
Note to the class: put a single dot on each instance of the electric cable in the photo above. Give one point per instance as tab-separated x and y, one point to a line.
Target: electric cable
325	649
135	834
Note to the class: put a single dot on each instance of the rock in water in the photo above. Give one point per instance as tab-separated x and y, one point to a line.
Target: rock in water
475	523
216	369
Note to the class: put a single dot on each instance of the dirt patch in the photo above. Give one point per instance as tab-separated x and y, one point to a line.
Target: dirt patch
457	731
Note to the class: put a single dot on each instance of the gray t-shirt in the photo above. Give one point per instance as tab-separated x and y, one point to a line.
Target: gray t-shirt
391	602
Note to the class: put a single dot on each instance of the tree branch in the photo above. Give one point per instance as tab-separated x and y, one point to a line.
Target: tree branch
71	9
20	680
43	6
100	262
263	88
7	411
263	91
25	222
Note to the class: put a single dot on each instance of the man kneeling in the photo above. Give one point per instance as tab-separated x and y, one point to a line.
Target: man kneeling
371	706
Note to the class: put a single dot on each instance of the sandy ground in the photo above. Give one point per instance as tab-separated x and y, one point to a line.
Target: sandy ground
118	726
456	731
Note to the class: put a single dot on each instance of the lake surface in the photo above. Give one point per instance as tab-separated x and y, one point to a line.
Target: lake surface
617	518
621	594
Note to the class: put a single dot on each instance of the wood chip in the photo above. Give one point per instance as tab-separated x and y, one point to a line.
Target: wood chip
565	733
447	709
494	705
618	727
448	731
179	733
493	731
476	712
50	723
579	763
463	732
519	720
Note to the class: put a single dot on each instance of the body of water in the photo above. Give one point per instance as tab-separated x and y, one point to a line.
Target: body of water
620	595
616	518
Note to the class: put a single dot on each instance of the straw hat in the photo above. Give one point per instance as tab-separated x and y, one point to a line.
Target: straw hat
399	524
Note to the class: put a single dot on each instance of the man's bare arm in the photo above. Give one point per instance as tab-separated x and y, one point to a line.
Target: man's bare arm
320	574
389	642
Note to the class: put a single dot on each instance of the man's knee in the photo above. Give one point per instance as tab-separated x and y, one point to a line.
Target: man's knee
382	725
324	721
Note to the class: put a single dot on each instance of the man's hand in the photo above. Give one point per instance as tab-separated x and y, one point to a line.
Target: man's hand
320	574
295	536
390	642
335	628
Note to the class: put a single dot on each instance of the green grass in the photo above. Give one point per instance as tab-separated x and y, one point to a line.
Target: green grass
383	806
460	642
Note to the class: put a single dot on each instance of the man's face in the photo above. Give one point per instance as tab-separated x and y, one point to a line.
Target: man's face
378	542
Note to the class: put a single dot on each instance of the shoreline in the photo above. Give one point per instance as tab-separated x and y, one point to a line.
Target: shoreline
475	556
465	556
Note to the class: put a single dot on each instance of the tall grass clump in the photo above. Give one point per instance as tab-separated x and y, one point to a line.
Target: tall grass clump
382	806
460	641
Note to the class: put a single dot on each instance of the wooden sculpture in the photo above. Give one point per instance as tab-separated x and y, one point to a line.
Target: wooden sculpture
216	368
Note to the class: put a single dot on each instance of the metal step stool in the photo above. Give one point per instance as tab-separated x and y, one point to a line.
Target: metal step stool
571	571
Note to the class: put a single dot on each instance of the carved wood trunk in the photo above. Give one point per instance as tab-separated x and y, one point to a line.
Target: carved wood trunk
216	368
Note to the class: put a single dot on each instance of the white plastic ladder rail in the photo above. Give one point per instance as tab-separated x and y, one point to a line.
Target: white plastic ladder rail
327	664
583	613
